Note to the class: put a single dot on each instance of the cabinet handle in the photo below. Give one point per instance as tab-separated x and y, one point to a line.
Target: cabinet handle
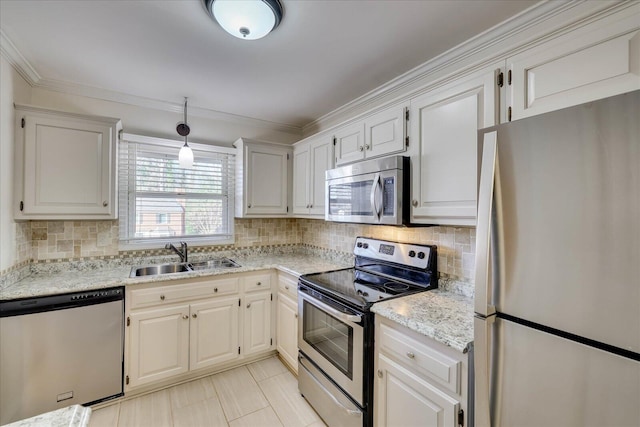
259	284
361	148
286	287
249	205
162	297
414	202
215	289
249	305
367	147
194	315
105	203
411	355
310	206
185	316
296	315
379	373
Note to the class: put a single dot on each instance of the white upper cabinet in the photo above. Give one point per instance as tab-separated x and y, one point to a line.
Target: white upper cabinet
599	60
444	127
377	135
263	184
65	165
311	159
350	143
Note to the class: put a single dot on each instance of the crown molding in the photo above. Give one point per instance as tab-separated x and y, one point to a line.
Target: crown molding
491	41
9	52
29	73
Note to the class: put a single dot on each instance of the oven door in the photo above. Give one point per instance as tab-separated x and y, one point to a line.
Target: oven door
331	335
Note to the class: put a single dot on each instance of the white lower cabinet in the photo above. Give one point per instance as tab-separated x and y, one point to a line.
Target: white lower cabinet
418	382
195	324
214	332
287	319
158	344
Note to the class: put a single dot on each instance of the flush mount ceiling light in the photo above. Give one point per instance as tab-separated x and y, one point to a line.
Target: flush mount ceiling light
185	156
245	19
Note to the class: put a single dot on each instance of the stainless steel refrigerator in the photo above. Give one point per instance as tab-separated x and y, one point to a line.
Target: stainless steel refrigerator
557	323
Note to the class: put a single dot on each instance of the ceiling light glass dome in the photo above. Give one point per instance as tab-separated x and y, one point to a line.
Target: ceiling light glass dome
246	19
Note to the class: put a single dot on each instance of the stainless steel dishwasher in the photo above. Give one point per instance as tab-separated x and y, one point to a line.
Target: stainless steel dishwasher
60	350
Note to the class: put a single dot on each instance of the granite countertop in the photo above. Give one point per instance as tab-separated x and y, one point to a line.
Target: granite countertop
85	279
442	315
71	416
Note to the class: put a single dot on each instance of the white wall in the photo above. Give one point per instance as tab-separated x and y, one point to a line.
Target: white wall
159	123
13	88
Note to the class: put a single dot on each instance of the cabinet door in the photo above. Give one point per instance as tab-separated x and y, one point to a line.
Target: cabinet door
159	344
287	330
404	399
301	178
444	125
257	323
68	168
384	132
582	66
214	332
267	183
350	143
321	161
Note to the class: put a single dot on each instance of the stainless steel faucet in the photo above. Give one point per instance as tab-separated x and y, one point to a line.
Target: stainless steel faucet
182	252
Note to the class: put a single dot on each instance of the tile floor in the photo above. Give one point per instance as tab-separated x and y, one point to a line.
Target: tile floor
263	393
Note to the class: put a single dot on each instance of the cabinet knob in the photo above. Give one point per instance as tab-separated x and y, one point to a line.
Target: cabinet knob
194	315
215	289
310	206
286	287
185	316
105	203
259	284
249	206
249	305
379	373
414	202
296	315
367	147
162	297
361	148
410	355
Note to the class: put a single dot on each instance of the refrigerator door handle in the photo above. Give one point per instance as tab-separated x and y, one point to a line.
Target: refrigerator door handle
488	169
481	363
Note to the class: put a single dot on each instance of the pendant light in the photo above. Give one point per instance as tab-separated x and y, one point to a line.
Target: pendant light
185	157
245	19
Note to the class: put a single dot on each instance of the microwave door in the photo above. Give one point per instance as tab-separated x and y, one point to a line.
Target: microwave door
351	199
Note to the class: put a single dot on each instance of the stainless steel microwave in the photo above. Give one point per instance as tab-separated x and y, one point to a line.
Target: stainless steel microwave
370	192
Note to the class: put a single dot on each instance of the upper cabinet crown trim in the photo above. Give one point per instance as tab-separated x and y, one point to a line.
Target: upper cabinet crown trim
532	27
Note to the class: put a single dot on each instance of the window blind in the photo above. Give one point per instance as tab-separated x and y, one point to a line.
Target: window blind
160	201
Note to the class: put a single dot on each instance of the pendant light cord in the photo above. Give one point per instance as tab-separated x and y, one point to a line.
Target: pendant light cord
185	120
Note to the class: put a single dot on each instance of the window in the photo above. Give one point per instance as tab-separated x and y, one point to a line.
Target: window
159	200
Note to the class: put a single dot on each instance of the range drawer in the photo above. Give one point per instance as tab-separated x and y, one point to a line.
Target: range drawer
257	282
421	358
176	293
288	285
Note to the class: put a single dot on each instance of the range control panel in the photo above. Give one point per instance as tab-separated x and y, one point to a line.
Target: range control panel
416	256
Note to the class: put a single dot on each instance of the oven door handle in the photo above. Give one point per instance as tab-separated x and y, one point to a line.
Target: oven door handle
349	318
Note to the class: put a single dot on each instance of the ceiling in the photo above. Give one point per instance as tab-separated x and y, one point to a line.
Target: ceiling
323	55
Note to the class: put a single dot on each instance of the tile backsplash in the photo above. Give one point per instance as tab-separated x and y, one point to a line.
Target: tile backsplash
53	240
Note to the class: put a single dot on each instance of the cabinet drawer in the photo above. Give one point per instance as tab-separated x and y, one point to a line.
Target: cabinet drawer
176	293
257	282
288	285
421	358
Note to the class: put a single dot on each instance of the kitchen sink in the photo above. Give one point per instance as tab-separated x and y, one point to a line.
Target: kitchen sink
153	270
215	263
183	267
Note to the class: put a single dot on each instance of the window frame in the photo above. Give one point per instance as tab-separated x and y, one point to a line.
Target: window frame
133	243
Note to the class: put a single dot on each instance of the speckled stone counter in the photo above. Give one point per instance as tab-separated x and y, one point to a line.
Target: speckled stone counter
442	315
71	416
50	280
